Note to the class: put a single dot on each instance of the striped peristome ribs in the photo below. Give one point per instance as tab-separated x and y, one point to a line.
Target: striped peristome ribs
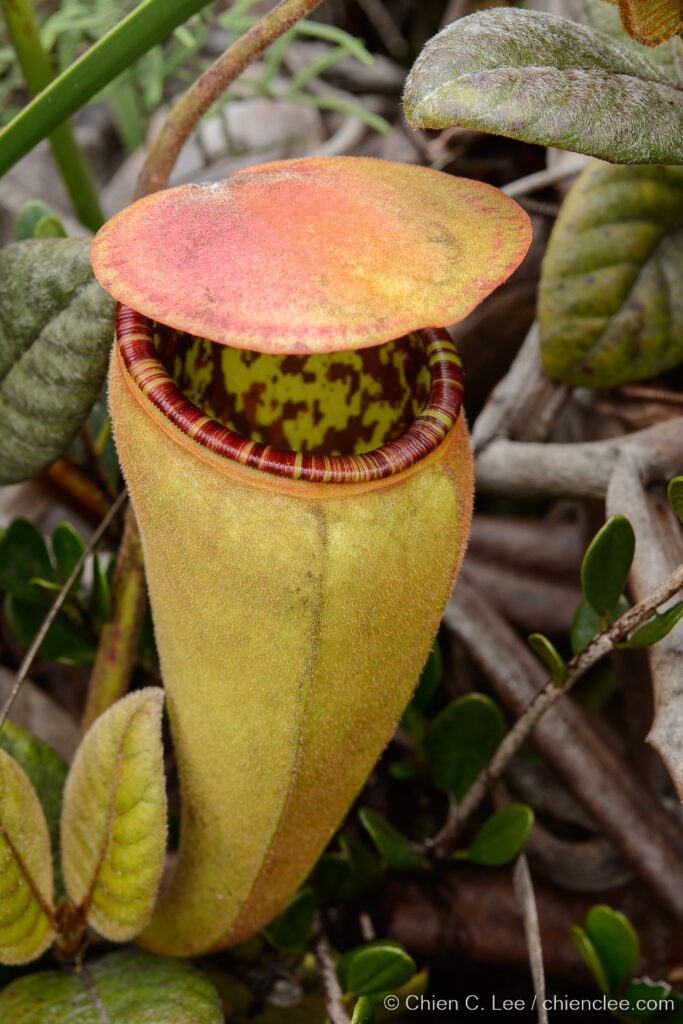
135	337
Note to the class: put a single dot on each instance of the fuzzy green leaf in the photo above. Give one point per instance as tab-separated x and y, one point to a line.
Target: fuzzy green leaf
291	929
657	628
375	968
615	941
394	847
114	816
26	928
675	495
134	988
609	307
550	656
46	771
461	741
543	79
502	837
607	563
56	328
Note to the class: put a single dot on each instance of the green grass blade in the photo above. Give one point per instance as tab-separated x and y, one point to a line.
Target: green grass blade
142	29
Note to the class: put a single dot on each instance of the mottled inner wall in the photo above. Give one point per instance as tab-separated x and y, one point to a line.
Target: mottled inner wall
338	403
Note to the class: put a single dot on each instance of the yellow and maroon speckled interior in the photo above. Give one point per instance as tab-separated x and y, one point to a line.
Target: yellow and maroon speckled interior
337	403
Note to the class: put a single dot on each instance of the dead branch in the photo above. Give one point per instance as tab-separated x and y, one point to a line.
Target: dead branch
583	470
656	551
472	913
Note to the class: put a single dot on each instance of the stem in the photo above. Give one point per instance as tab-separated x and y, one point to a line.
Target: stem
185	116
59	601
336	1010
444	842
35	63
118	641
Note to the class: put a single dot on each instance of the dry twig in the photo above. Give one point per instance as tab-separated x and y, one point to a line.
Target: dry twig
524	891
336	1010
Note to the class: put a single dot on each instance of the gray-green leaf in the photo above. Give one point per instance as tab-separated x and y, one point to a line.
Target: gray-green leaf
133	987
543	79
56	328
610	307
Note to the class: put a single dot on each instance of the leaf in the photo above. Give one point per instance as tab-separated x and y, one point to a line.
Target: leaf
363	1012
100	595
26	927
114	817
138	32
546	80
49	227
429	679
607	563
23	557
657	628
334	881
461	741
66	641
395	848
55	334
615	941
640	992
675	494
46	771
375	968
29	216
604	17
651	21
366	868
67	547
550	656
502	837
590	957
134	987
586	624
609	307
291	929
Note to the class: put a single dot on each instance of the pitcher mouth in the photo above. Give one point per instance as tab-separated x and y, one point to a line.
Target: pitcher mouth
135	338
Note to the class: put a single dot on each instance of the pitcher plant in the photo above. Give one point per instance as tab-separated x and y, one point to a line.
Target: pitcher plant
287	411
